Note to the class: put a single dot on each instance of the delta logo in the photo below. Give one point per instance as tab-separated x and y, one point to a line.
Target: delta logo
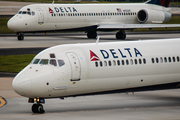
93	56
51	11
116	53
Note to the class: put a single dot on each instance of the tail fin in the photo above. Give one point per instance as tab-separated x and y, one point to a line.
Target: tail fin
164	3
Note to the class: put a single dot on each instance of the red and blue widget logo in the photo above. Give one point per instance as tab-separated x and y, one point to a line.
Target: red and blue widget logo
51	11
93	56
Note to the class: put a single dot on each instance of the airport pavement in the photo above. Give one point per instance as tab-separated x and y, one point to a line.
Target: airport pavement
156	105
52	39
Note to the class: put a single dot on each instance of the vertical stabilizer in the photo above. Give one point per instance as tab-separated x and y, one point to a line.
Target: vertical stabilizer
164	3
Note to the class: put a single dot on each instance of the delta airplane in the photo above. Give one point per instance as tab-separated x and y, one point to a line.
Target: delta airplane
91	18
99	68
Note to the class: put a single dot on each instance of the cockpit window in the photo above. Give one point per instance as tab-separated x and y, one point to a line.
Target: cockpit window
53	62
44	61
61	63
20	12
36	61
24	12
27	12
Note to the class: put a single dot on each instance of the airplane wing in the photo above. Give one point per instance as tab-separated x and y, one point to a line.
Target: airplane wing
134	26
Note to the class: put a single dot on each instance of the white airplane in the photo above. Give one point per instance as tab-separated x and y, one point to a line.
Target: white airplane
91	18
99	68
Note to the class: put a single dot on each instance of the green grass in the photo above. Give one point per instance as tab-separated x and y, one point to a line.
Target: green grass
14	63
3	26
174	3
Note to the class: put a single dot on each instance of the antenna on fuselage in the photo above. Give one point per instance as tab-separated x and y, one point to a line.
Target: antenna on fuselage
97	40
53	2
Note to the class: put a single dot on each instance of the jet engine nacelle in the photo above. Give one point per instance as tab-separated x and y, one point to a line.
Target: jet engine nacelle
153	16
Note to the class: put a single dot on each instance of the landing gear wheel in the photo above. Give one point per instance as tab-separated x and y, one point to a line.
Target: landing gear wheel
92	35
34	108
37	108
20	36
121	35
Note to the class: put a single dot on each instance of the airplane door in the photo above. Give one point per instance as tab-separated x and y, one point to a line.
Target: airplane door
40	16
75	66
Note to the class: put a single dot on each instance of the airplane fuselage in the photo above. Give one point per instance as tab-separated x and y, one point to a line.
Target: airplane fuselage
82	69
87	17
99	68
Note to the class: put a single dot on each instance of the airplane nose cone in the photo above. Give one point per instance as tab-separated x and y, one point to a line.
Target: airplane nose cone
22	84
12	24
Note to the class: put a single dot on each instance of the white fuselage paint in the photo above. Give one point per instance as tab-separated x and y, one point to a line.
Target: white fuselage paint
80	75
67	16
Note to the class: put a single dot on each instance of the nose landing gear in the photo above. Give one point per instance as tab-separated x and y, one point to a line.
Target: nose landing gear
20	36
37	107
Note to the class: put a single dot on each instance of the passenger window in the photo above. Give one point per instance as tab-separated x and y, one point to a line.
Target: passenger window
169	58
44	61
101	64
127	62
165	59
61	63
135	61
152	60
36	61
109	63
144	60
96	64
174	60
177	58
140	61
122	62
118	62
157	60
53	62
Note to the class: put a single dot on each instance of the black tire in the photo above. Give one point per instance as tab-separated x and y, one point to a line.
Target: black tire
92	34
20	37
40	108
37	108
121	35
34	108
